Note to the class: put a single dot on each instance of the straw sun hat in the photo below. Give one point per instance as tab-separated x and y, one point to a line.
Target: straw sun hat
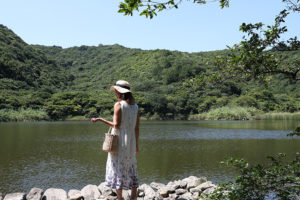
121	86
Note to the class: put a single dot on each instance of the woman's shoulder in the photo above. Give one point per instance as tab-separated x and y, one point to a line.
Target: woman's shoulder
117	104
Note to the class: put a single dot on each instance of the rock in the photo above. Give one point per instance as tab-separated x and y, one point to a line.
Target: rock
105	191
111	198
157	186
163	192
183	184
175	184
171	188
34	194
173	196
90	192
204	186
75	195
195	195
195	182
190	178
55	194
126	194
15	196
140	193
209	190
196	189
180	191
149	192
186	196
0	196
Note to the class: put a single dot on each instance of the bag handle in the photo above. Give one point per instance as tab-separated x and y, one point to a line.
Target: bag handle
109	130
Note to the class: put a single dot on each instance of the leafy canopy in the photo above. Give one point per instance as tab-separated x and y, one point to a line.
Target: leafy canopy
150	8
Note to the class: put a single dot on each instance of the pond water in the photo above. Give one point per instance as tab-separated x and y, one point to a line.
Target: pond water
68	155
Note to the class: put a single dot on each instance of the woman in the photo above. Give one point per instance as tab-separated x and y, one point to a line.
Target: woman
121	168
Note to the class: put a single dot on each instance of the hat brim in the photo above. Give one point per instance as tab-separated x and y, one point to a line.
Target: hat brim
119	89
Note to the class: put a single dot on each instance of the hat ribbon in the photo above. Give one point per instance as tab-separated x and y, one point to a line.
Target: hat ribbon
123	86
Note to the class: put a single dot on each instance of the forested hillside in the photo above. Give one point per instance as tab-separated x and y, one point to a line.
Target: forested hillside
76	81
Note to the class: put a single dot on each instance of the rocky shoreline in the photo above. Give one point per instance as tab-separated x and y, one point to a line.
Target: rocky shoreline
186	189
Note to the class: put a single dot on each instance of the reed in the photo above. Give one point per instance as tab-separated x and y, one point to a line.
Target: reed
227	113
281	116
23	115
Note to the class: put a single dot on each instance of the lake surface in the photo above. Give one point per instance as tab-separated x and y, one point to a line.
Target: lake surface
68	155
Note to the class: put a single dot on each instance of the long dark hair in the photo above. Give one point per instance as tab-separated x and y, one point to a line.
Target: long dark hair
127	96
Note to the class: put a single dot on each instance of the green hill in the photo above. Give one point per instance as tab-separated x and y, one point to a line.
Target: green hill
75	81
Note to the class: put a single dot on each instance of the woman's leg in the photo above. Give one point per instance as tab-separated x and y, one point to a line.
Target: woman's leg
119	193
133	193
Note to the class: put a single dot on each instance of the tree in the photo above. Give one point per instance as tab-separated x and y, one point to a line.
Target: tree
151	7
257	55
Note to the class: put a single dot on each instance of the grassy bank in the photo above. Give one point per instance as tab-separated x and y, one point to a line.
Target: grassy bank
222	113
228	113
243	113
281	116
7	115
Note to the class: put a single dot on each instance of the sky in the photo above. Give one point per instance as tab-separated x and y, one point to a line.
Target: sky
190	28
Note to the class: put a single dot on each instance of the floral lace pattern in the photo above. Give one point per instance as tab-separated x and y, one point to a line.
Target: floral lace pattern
121	168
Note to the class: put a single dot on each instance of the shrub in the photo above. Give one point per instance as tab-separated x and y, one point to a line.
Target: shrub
231	113
277	180
23	115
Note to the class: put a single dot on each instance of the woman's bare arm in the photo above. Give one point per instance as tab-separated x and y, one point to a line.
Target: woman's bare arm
117	117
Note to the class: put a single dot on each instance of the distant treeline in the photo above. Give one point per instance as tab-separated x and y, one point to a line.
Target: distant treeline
76	81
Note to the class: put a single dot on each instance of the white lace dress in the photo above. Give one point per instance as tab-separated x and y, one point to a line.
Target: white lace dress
121	168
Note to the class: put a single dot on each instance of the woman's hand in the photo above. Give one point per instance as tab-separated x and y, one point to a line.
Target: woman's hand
94	120
137	148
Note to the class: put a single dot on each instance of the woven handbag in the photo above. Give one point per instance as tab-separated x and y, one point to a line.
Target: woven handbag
110	143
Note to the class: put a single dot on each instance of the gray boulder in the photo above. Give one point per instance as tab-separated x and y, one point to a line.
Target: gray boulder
174	184
140	193
195	195
173	196
90	192
157	186
105	191
190	178
0	196
183	184
163	192
180	191
209	190
15	196
149	192
194	182
75	195
126	194
55	194
34	194
204	186
186	196
111	198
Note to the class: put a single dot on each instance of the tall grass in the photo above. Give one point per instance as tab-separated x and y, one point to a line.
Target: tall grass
23	115
227	113
281	116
